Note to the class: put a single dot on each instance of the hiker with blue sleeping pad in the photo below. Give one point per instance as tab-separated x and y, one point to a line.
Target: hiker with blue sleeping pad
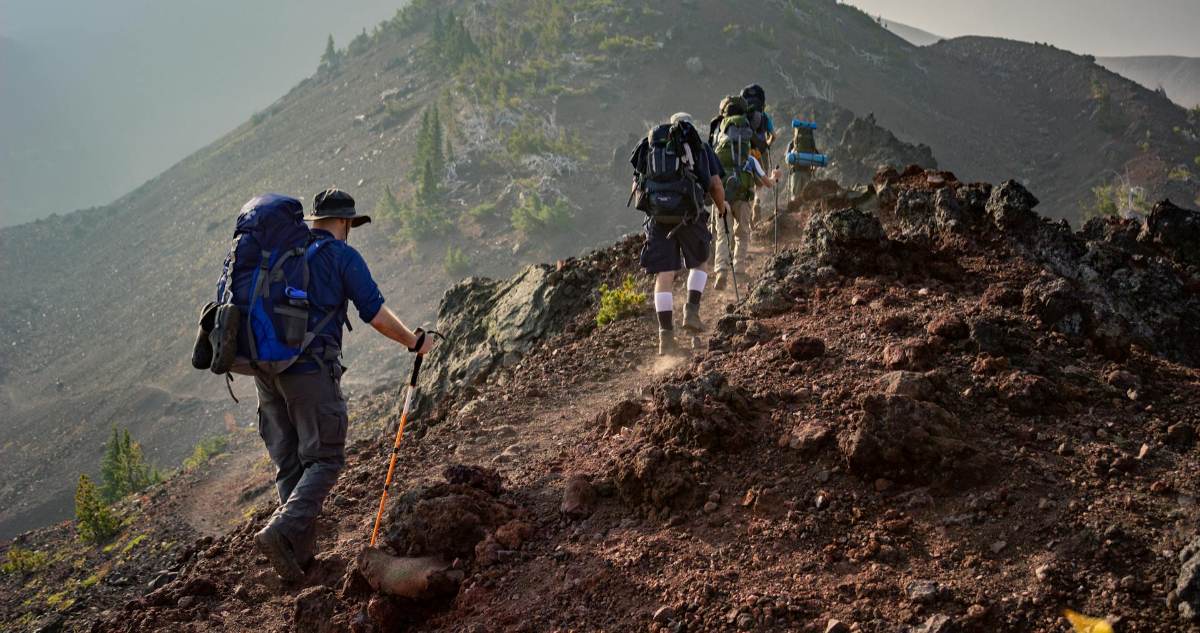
737	146
803	158
282	300
673	171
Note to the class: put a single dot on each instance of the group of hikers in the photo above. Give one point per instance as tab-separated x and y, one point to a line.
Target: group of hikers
285	289
678	176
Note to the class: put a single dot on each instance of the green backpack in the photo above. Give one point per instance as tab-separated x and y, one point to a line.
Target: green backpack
734	140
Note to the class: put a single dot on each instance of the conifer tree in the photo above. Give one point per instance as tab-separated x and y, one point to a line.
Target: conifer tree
94	521
330	56
388	208
124	469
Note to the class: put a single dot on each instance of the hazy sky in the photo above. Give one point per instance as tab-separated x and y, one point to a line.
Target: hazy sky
1096	27
98	96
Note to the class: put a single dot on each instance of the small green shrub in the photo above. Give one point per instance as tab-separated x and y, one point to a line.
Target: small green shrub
94	520
533	217
618	303
621	44
763	37
22	561
207	449
456	264
483	211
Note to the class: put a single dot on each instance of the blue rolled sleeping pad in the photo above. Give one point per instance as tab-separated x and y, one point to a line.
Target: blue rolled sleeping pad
811	126
800	159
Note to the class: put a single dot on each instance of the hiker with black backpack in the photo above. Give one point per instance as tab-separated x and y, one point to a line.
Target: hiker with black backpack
737	147
764	128
282	300
673	171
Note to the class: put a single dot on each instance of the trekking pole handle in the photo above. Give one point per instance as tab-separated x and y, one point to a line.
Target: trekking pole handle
421	334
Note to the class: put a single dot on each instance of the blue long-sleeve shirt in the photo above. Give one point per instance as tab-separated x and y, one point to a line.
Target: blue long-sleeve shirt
338	274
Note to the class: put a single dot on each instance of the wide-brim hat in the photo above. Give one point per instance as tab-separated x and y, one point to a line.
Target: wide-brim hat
335	203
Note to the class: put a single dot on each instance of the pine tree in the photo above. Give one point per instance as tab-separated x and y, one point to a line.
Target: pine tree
388	208
429	192
110	469
124	469
429	145
94	521
330	56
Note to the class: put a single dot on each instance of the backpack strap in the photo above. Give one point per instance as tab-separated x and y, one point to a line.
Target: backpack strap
260	285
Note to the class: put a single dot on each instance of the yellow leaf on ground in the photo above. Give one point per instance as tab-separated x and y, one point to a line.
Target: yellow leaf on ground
1085	624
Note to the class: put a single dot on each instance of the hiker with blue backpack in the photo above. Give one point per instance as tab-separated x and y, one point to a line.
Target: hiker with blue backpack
674	171
739	149
281	303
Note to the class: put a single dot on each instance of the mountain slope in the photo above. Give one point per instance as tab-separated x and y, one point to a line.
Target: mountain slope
104	300
912	34
1178	76
922	419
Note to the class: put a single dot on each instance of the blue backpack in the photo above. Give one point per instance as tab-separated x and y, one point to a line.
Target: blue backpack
260	322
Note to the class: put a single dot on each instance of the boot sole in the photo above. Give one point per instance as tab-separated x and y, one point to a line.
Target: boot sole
269	546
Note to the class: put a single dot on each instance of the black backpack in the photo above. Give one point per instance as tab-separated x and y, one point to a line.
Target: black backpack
666	186
756	103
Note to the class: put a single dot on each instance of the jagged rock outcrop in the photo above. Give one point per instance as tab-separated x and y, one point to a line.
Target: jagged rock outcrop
866	148
492	324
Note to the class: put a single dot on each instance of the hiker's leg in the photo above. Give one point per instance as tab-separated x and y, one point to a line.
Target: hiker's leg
279	434
741	235
695	245
318	409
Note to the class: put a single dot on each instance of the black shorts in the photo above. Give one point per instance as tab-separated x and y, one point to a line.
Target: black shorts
689	247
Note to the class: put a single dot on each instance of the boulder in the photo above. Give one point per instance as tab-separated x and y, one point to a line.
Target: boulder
910	354
907	383
314	610
948	326
419	577
1011	206
898	437
1056	303
1187	585
578	496
805	347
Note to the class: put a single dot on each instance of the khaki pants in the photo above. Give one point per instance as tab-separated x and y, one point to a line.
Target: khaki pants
739	227
797	180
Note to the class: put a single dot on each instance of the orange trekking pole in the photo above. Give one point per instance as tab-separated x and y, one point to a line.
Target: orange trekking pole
412	387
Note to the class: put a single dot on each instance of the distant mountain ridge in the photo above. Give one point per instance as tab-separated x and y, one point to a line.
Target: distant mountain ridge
912	34
1178	76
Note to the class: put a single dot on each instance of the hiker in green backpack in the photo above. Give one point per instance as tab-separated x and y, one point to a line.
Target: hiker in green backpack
802	142
739	149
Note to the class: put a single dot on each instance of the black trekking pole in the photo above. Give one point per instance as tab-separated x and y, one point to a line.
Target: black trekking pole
775	190
729	254
412	387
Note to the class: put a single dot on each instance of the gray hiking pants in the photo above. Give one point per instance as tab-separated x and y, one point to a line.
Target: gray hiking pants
302	418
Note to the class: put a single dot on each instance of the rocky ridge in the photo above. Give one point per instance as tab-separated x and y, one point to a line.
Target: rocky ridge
910	433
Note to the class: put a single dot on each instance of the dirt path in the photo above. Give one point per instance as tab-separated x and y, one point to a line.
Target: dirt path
227	485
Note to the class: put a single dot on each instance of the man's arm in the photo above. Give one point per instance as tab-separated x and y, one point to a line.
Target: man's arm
388	325
716	189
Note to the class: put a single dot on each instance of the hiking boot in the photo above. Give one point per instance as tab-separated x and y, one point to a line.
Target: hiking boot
278	551
306	546
719	282
666	343
691	319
